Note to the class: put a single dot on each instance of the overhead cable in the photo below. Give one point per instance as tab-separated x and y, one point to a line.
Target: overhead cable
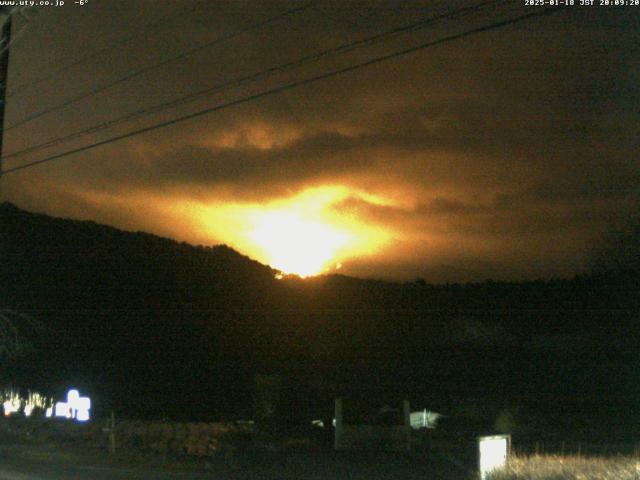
146	30
288	86
139	71
287	66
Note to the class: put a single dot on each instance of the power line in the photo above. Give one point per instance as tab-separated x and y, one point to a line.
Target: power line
137	72
291	85
96	53
262	74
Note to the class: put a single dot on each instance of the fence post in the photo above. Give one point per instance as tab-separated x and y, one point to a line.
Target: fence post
267	393
406	411
112	434
337	437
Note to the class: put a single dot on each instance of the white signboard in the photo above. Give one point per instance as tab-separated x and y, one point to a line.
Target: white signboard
493	452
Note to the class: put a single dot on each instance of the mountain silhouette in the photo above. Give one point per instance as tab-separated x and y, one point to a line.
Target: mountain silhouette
152	327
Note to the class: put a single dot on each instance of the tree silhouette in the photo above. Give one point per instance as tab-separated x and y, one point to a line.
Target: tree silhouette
17	332
619	249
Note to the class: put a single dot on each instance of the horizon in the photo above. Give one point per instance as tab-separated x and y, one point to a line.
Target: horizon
281	275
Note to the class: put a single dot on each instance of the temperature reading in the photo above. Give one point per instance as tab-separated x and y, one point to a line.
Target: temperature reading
81	2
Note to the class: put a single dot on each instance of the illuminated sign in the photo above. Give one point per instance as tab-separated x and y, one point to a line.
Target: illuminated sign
493	452
75	407
424	419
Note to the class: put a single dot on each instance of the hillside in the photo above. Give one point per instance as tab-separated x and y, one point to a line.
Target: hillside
152	327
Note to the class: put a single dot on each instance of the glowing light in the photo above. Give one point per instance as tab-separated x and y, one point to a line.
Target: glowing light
14	402
11	406
305	234
296	245
72	397
83	407
424	419
494	451
75	407
35	401
62	410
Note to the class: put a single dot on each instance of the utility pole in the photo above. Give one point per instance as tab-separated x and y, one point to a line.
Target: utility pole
5	39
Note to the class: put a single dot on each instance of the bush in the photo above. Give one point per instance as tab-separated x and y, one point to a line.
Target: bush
556	467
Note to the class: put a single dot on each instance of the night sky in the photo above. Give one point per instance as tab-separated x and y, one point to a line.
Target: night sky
507	154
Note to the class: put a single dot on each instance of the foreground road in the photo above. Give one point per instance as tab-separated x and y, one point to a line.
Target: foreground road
20	470
47	463
29	463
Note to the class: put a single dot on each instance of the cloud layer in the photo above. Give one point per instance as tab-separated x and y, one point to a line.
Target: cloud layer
508	154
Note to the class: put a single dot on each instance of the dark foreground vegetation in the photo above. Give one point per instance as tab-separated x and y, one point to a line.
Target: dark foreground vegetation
81	451
152	328
43	449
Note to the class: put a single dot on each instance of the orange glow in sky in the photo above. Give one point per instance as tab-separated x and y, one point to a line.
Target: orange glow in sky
301	235
295	244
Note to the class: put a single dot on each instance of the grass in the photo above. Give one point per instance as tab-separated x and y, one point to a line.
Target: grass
571	467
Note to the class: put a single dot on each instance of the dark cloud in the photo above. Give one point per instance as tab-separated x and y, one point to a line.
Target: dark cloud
326	154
